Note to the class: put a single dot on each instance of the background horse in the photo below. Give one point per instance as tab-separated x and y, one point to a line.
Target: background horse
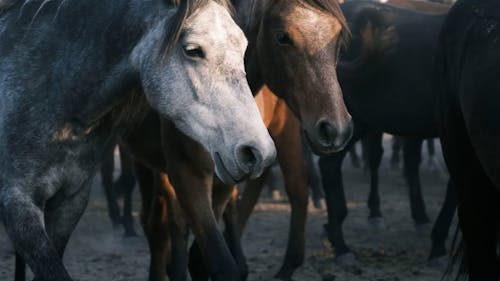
122	187
66	75
412	148
467	66
385	89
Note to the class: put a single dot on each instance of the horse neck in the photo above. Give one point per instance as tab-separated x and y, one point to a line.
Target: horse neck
126	23
107	30
118	22
125	26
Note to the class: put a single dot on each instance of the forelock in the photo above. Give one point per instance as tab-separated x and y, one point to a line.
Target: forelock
185	9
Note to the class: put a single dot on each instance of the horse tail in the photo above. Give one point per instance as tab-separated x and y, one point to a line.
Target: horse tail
457	264
377	39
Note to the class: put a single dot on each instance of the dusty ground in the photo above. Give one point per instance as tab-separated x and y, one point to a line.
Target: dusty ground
97	252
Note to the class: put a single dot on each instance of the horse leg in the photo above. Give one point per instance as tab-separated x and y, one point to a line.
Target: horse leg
24	223
127	182
313	175
61	219
365	152
375	150
177	255
412	149
232	234
190	169
431	149
336	206
354	157
442	225
291	158
249	198
153	220
211	244
224	196
107	169
396	150
221	196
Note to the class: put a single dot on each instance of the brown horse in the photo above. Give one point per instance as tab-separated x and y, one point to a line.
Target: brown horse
165	222
289	41
284	128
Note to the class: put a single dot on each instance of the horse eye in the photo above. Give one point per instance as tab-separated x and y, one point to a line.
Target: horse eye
194	51
283	38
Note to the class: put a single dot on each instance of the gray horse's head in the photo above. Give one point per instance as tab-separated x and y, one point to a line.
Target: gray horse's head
201	86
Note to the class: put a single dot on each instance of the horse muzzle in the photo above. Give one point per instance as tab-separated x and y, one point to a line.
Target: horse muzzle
326	137
249	161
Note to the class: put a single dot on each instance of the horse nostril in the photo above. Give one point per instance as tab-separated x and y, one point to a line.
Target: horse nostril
247	156
326	132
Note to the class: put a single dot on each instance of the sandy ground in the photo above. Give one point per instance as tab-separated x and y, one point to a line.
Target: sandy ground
97	252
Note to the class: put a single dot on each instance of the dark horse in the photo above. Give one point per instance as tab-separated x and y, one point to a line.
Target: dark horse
385	79
468	67
412	147
289	43
122	187
67	74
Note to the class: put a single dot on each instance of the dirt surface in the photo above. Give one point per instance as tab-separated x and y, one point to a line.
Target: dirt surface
97	252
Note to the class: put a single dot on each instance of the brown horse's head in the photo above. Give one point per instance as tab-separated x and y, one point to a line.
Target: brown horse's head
298	45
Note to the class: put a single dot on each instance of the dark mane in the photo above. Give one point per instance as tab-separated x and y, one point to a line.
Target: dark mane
186	8
331	7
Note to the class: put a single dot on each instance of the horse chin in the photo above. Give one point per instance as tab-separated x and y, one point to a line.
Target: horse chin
223	172
322	150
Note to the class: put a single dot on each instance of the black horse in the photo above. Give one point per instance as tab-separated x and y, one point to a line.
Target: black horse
468	67
386	81
122	187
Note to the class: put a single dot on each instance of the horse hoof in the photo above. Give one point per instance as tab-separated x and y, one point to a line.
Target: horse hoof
423	229
346	260
376	223
440	263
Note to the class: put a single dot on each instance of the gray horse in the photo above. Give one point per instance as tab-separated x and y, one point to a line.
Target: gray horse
66	69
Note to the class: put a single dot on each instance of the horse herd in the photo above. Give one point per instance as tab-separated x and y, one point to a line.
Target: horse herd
203	94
